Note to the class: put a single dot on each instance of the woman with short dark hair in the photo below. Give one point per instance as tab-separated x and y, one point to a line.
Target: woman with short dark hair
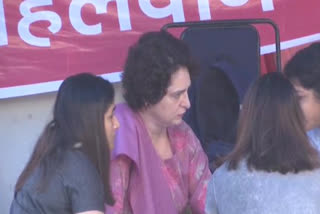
149	66
158	164
273	168
68	171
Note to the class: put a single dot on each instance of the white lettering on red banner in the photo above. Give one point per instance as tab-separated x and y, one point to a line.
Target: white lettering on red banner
44	41
29	18
101	7
234	3
174	9
3	29
267	5
204	10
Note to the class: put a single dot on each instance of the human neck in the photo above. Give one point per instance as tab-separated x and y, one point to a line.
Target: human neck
155	129
158	135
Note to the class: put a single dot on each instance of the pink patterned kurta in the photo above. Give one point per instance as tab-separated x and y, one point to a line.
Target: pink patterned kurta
186	173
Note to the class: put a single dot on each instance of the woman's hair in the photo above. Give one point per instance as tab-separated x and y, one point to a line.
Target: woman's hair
217	104
149	67
304	68
271	134
78	119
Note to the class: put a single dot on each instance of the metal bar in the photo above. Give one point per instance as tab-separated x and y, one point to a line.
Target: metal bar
233	22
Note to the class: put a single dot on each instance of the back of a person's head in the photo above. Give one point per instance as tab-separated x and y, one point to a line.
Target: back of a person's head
217	106
304	68
271	133
149	66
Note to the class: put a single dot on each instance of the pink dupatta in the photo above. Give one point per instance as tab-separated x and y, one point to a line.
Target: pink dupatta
151	193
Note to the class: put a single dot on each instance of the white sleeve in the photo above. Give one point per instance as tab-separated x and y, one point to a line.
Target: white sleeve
211	202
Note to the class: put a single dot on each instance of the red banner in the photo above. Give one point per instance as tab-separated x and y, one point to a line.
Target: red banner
44	41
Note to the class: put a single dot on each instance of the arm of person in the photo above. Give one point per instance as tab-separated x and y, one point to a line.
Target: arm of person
120	175
211	203
199	175
83	184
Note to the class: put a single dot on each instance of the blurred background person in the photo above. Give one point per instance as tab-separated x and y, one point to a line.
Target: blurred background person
215	113
304	72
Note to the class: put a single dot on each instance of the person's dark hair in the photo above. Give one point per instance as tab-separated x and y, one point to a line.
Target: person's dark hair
217	104
78	117
149	67
304	68
271	134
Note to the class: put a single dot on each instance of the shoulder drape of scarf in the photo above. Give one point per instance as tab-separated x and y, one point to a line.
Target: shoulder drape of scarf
151	193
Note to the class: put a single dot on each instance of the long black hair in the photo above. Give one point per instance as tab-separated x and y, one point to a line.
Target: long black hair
78	118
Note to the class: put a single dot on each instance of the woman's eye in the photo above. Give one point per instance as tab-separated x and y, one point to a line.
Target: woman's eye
177	95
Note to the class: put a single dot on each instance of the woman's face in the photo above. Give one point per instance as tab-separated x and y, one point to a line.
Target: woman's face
171	108
310	105
111	124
